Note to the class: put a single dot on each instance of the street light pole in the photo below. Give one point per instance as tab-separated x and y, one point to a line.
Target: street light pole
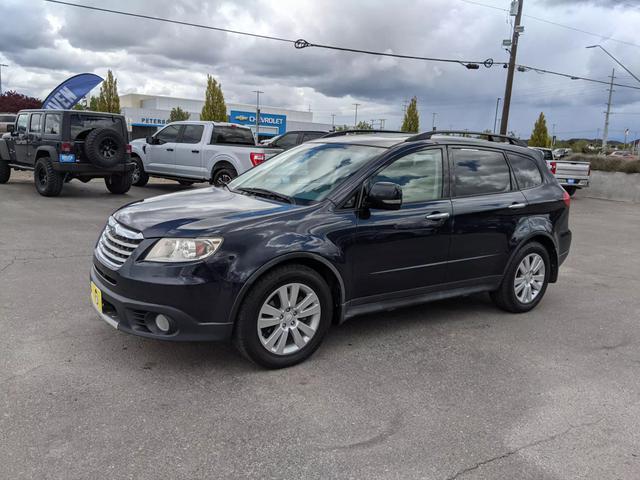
605	133
495	117
355	119
512	67
257	92
433	122
1	65
615	60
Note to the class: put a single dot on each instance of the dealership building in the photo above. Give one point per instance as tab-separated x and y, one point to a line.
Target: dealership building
146	113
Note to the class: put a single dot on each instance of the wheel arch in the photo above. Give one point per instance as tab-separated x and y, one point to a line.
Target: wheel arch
219	161
547	241
314	261
46	151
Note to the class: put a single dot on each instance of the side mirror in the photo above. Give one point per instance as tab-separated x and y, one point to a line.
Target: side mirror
385	196
149	140
10	128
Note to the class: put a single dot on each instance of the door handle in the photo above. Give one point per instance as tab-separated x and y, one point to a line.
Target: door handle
169	149
517	205
195	151
438	216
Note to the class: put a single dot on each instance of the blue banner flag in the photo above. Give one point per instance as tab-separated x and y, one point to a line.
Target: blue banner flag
69	92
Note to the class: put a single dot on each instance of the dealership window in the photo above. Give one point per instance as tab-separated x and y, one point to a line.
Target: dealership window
192	134
419	174
480	172
525	170
35	124
168	134
52	122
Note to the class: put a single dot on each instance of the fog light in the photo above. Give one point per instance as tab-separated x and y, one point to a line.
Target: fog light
162	323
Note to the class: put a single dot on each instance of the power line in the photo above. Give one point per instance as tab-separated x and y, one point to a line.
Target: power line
557	24
300	44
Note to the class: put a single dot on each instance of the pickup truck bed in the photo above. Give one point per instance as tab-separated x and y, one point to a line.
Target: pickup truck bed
571	174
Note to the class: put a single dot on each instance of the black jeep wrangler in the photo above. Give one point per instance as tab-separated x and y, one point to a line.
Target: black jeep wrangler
60	145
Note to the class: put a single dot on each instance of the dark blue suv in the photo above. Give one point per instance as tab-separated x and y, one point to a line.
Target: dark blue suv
333	228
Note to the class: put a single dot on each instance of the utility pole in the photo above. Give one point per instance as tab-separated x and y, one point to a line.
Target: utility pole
257	92
433	122
605	133
512	66
1	65
333	121
355	119
495	117
553	134
382	120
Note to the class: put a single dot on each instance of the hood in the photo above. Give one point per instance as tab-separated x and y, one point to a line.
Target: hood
198	212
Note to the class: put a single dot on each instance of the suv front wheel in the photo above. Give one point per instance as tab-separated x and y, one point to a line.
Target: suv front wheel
284	317
525	281
118	184
48	182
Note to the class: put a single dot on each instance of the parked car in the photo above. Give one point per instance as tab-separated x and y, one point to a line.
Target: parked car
572	175
622	154
562	152
6	119
191	152
60	145
291	139
331	229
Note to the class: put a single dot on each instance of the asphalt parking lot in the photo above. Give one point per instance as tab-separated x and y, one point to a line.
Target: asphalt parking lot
454	389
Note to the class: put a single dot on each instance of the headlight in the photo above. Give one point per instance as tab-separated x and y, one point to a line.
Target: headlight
182	249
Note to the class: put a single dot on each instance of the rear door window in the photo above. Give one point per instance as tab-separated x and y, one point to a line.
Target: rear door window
288	140
192	134
52	123
525	170
232	135
81	124
479	172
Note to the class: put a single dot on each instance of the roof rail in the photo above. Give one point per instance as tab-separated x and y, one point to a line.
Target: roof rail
491	137
340	133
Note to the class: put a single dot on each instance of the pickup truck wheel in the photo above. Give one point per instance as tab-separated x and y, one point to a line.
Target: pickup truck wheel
48	182
571	190
5	171
284	317
223	175
118	184
525	281
139	177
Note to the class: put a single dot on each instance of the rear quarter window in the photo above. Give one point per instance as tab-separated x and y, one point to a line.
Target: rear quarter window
525	170
480	172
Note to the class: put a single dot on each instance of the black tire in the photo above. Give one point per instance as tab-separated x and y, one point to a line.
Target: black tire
223	175
105	148
118	184
505	297
246	338
5	172
48	182
185	183
139	177
571	190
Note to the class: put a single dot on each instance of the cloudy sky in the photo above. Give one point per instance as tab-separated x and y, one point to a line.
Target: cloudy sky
44	43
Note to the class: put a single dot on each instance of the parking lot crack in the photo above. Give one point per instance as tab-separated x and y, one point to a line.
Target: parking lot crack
509	453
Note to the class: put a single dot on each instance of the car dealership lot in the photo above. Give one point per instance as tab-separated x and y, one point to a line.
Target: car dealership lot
454	389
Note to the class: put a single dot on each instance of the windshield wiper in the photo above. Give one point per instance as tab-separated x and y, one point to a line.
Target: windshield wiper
263	192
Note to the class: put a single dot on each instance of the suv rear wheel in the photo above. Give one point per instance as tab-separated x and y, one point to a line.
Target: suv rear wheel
284	317
5	172
526	280
48	182
118	184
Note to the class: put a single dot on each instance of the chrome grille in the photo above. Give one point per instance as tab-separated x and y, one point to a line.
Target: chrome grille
116	244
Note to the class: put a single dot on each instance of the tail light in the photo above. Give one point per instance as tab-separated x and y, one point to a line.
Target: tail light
66	147
128	148
566	198
552	167
256	158
589	171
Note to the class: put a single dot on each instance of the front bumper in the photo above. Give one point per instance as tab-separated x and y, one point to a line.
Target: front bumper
137	317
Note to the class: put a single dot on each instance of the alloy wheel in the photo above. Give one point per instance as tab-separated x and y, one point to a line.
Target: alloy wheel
108	148
289	319
529	279
135	175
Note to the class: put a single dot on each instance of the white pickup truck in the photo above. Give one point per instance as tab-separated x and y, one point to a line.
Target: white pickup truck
191	152
571	174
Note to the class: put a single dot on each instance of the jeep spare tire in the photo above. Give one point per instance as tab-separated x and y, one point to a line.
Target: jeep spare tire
105	148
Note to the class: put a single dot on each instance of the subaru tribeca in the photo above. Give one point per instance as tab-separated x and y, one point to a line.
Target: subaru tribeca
336	227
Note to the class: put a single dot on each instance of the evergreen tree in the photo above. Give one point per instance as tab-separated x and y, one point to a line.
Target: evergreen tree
411	122
93	104
214	107
178	115
109	101
540	134
362	125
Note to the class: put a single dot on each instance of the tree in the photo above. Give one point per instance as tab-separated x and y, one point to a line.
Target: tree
93	104
178	115
214	110
109	101
540	134
12	102
411	122
362	125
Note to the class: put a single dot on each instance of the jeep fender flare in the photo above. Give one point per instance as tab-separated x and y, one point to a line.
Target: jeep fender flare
46	151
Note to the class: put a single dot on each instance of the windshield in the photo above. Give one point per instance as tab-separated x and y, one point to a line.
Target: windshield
307	173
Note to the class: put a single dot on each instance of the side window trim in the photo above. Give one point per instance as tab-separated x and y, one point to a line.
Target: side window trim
452	176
